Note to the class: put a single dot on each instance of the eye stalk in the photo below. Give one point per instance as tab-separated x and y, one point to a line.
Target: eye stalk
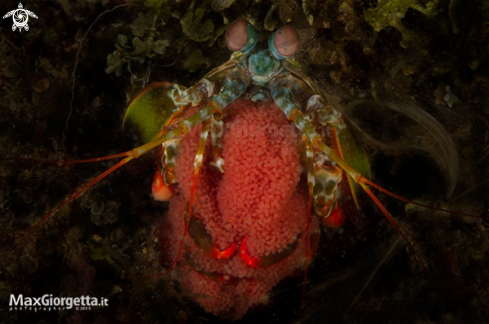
241	36
284	42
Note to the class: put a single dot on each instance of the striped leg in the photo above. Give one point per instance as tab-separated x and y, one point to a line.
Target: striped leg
210	117
284	98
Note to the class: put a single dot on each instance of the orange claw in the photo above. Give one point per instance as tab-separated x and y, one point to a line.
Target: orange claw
224	254
243	252
160	190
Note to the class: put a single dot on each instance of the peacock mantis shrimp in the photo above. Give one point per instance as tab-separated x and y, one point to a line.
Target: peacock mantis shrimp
253	160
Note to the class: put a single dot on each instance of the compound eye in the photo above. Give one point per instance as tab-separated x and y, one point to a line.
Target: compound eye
236	35
284	42
241	36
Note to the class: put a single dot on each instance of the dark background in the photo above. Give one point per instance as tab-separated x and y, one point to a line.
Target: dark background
64	86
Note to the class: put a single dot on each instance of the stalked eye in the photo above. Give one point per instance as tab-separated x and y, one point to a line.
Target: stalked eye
241	36
284	42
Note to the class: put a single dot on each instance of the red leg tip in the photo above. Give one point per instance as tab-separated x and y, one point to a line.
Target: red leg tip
243	252
336	219
224	254
160	190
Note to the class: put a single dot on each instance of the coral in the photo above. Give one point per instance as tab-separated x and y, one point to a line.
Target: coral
308	7
220	5
143	44
195	60
196	25
391	13
270	23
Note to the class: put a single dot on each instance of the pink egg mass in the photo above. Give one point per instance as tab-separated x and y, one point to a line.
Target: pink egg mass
248	225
